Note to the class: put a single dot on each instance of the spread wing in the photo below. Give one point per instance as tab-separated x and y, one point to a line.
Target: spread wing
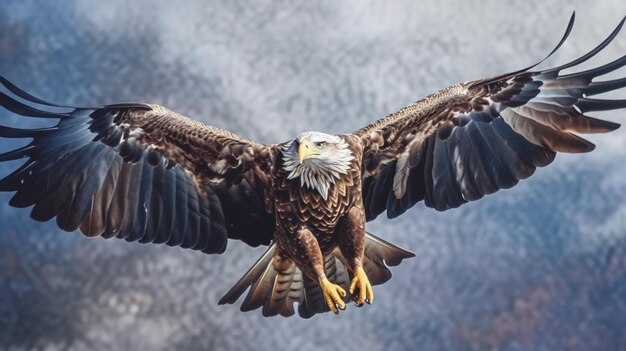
475	138
140	173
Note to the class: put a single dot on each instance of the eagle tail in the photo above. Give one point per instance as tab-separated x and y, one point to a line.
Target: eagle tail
379	254
276	284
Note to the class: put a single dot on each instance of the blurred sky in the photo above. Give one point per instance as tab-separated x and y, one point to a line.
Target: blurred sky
538	267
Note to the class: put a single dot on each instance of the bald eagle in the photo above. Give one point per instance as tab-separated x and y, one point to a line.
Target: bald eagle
141	172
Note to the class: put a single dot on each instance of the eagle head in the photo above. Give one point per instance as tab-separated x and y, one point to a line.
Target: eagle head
319	160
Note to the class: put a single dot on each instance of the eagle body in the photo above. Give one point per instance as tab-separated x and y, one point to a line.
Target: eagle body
304	214
300	207
143	173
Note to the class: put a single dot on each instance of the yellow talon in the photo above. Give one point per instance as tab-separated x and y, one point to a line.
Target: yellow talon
360	282
333	294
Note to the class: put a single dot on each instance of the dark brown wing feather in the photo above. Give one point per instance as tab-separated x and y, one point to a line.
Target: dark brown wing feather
140	173
475	138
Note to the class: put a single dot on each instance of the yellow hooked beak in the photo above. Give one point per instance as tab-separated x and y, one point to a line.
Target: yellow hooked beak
305	150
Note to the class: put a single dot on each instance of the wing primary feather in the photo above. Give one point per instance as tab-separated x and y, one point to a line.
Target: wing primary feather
27	111
217	242
127	194
586	104
95	223
602	87
86	192
71	187
155	217
591	53
416	189
205	235
446	191
492	165
518	167
508	164
22	152
382	188
48	143
428	171
531	153
142	209
8	132
26	96
568	30
169	210
182	210
598	71
193	227
466	165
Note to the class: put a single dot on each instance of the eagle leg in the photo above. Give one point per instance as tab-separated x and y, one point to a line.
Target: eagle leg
352	245
361	288
308	257
333	294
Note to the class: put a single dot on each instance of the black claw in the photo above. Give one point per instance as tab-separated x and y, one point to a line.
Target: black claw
355	298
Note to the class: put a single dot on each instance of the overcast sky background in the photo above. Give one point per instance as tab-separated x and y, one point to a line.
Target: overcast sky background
538	267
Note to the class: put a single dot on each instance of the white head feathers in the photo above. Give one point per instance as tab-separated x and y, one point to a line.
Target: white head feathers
327	158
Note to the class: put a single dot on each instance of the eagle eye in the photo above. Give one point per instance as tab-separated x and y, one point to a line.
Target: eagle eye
320	144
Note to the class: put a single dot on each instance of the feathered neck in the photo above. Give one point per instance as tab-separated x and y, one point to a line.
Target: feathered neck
319	172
